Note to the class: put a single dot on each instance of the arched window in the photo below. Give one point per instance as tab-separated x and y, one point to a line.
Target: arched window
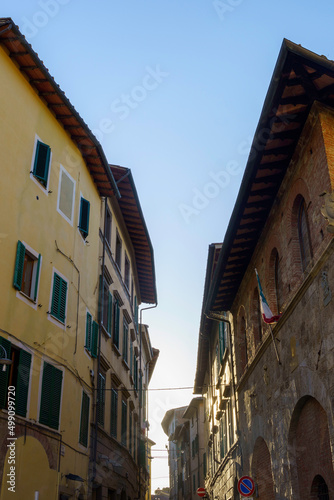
304	235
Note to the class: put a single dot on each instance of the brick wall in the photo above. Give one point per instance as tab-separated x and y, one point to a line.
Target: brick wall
269	394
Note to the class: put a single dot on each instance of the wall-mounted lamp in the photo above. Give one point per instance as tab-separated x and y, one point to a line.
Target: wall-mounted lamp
4	360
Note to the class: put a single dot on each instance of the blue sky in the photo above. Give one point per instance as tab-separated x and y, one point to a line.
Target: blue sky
173	90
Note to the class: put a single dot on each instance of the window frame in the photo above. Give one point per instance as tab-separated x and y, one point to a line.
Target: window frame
114	412
118	251
62	170
22	250
125	347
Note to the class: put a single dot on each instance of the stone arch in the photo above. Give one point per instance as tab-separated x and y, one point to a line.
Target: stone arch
262	470
319	489
309	448
50	445
299	191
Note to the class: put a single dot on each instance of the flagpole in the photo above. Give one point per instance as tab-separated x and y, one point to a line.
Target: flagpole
275	347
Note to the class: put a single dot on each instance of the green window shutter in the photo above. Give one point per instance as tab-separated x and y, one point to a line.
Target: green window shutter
89	332
37	276
84	420
124	422
221	340
130	432
84	216
113	420
101	400
51	396
58	306
131	358
125	341
19	264
42	162
22	385
116	326
4	375
136	313
110	304
204	464
95	336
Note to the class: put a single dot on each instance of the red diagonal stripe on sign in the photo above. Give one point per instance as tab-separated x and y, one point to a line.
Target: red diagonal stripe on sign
246	486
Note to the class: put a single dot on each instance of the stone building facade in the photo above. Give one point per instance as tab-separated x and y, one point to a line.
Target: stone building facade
281	226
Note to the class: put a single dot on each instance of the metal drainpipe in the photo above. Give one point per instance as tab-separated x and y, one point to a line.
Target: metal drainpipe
141	385
100	306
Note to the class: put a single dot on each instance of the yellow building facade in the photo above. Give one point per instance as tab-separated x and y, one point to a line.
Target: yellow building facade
55	185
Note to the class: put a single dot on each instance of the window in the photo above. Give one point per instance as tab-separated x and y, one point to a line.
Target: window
125	340
131	358
59	297
116	323
51	396
17	374
66	193
135	372
41	163
107	300
136	313
113	413
101	399
127	272
84	420
131	298
124	422
92	330
84	217
204	464
118	251
304	235
26	273
222	340
108	227
130	432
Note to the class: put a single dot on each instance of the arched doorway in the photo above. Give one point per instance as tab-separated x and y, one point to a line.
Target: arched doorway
319	489
261	470
310	451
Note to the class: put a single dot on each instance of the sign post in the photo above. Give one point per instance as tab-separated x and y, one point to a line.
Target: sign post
201	492
246	486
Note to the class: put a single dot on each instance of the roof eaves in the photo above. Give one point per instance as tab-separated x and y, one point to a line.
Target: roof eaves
39	64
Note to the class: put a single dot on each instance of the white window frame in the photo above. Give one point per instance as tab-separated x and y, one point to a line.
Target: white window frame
61	170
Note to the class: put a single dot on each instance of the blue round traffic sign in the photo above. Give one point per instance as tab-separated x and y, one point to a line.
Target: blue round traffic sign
246	486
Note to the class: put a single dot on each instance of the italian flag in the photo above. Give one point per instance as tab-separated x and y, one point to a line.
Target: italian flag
267	315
